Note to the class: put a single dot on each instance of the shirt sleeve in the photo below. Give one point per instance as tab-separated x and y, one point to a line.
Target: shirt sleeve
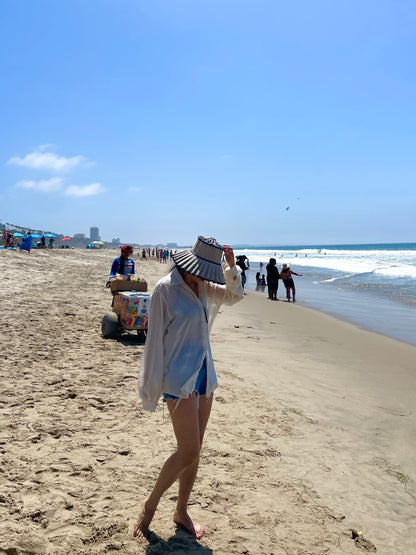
152	365
231	292
114	267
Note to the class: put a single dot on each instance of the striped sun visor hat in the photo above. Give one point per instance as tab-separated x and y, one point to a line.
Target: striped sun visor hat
204	260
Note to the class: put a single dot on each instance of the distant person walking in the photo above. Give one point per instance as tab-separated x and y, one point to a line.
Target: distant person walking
286	275
272	279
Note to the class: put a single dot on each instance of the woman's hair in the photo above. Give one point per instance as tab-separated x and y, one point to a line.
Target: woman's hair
121	267
180	270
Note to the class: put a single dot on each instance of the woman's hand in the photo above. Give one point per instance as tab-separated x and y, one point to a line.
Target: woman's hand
229	255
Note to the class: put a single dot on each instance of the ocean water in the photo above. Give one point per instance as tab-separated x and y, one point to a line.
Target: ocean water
373	286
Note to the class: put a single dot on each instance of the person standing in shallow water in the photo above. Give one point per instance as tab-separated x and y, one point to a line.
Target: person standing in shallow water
286	275
241	262
177	362
272	279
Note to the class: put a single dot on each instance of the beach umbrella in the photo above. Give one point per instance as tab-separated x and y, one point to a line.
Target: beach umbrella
50	235
36	235
18	235
66	239
96	243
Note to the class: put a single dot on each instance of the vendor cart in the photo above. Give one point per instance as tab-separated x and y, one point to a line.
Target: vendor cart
130	308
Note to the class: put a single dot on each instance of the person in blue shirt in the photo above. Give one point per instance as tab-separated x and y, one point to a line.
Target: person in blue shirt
26	244
123	264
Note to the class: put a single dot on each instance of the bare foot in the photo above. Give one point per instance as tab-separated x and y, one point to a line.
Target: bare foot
142	524
185	522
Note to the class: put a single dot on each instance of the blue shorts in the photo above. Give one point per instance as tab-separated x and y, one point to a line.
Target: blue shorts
200	385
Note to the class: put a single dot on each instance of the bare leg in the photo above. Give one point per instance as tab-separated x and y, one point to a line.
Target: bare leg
288	294
187	478
186	427
293	294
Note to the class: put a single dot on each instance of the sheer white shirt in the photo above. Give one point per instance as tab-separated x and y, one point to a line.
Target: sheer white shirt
178	335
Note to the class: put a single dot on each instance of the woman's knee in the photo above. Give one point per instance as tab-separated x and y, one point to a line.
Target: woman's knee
189	456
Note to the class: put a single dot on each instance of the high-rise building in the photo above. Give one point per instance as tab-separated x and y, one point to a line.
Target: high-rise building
94	234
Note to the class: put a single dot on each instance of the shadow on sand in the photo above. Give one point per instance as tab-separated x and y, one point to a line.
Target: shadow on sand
128	338
131	338
181	543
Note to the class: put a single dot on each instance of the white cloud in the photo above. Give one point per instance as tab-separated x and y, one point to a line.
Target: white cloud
84	190
44	185
40	160
45	146
134	189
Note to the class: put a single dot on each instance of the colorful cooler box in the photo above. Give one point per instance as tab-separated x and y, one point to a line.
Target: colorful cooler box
132	308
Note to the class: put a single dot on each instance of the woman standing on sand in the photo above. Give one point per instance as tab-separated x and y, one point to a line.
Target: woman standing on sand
177	362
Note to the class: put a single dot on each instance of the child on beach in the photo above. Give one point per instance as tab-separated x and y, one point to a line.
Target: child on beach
177	362
260	281
286	274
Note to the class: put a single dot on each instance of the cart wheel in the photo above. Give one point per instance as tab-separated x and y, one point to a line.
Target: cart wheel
142	335
109	325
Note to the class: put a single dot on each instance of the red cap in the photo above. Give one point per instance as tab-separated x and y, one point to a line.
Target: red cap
126	248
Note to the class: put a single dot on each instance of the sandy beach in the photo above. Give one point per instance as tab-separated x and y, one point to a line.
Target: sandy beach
312	433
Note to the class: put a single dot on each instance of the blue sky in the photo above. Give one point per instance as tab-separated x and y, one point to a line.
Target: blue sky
158	121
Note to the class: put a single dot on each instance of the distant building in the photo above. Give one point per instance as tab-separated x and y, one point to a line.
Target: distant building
116	241
95	234
79	236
